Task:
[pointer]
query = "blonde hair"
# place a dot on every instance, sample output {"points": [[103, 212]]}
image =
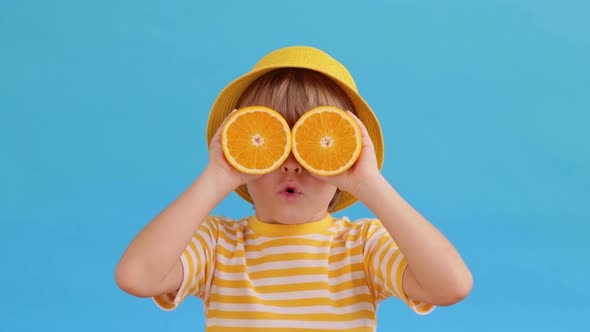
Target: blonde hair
{"points": [[294, 91]]}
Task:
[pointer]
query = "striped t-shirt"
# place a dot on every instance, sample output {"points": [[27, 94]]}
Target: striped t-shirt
{"points": [[327, 275]]}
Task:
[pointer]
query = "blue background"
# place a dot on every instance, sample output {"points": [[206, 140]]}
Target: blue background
{"points": [[484, 107]]}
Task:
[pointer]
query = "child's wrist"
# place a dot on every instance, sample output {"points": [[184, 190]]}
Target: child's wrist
{"points": [[222, 181], [363, 190]]}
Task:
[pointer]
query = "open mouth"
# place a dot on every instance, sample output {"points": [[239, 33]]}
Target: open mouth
{"points": [[290, 191]]}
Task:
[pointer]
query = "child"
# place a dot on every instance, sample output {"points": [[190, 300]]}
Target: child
{"points": [[292, 266]]}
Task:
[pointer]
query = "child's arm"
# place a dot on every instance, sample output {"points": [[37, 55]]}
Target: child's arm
{"points": [[151, 264], [435, 273]]}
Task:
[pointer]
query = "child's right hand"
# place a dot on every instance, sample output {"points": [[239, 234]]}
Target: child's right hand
{"points": [[220, 167]]}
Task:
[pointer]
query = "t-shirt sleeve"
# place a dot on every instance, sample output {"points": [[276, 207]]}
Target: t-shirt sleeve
{"points": [[198, 262], [386, 265]]}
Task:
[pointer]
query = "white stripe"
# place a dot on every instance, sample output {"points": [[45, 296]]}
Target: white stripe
{"points": [[206, 236], [209, 281], [394, 268], [207, 228], [286, 249], [286, 265], [239, 260], [420, 309], [378, 254], [309, 309], [334, 229], [292, 264], [291, 295], [293, 247], [232, 235], [370, 246], [378, 282], [383, 267], [227, 223], [263, 239], [259, 255], [346, 277], [348, 261], [197, 274], [337, 251], [354, 233], [222, 243], [290, 323]]}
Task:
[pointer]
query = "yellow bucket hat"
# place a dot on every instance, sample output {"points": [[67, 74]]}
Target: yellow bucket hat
{"points": [[298, 57]]}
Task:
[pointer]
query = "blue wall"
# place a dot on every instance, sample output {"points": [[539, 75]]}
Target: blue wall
{"points": [[484, 106]]}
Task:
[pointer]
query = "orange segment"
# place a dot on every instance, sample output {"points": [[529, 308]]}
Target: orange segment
{"points": [[256, 140], [326, 140]]}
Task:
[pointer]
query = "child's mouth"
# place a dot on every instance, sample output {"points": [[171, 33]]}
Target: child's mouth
{"points": [[290, 193]]}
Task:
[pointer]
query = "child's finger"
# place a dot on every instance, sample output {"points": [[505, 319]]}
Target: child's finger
{"points": [[218, 132], [364, 132]]}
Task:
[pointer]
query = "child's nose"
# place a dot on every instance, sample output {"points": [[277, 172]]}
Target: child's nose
{"points": [[291, 165]]}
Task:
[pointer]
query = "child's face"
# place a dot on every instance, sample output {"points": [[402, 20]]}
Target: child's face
{"points": [[290, 195]]}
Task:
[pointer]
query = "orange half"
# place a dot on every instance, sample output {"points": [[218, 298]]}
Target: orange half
{"points": [[256, 140], [326, 141]]}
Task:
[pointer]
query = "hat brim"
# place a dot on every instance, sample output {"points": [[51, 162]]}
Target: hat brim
{"points": [[228, 98]]}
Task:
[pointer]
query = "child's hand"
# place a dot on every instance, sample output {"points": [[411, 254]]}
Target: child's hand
{"points": [[364, 169], [219, 165]]}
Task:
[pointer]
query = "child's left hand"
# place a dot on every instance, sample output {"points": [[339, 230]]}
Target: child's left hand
{"points": [[363, 170]]}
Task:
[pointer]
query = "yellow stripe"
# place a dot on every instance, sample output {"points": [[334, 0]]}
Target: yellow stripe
{"points": [[252, 237], [203, 266], [288, 241], [320, 317], [337, 243], [289, 272], [389, 274], [380, 259], [341, 242], [399, 278], [370, 270], [224, 235], [372, 230], [303, 286], [191, 269], [287, 257], [282, 329], [228, 253], [346, 269], [164, 303], [357, 250], [219, 266], [286, 271], [210, 227], [239, 253], [349, 284], [360, 298], [420, 307], [424, 307]]}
